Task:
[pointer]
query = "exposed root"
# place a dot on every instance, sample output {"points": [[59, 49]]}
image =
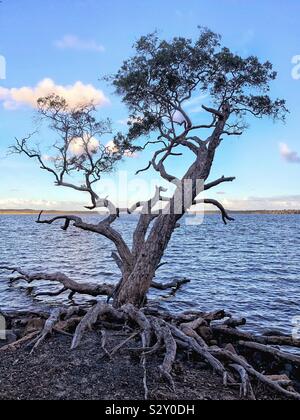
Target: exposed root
{"points": [[246, 387], [120, 346], [144, 364], [251, 371], [140, 318], [275, 352], [91, 318], [162, 330], [103, 343], [48, 328], [234, 333], [18, 344], [190, 332]]}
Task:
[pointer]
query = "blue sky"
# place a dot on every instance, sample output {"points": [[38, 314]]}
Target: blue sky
{"points": [[69, 41]]}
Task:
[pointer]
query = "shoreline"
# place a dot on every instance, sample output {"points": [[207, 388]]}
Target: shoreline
{"points": [[111, 369], [69, 212]]}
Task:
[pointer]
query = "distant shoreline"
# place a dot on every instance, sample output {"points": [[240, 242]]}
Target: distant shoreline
{"points": [[24, 212]]}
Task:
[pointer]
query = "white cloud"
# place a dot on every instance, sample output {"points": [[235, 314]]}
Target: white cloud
{"points": [[17, 203], [289, 202], [78, 145], [73, 42], [289, 155], [75, 95], [112, 148]]}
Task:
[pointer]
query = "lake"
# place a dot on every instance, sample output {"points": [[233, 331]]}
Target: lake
{"points": [[250, 267]]}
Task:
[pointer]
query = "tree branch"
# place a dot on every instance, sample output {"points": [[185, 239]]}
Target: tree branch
{"points": [[216, 203], [69, 284], [218, 182], [103, 228]]}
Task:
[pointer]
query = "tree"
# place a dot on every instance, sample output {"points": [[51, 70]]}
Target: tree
{"points": [[155, 84]]}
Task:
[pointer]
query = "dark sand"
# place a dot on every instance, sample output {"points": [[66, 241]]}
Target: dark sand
{"points": [[54, 372]]}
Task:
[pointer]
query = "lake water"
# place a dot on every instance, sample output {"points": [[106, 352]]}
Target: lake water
{"points": [[250, 267]]}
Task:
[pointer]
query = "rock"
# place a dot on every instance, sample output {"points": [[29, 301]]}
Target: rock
{"points": [[273, 333], [206, 333], [36, 324], [11, 337]]}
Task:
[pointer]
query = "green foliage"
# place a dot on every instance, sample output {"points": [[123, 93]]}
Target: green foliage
{"points": [[162, 75]]}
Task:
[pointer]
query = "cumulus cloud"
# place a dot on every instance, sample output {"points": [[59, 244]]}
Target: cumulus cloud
{"points": [[289, 155], [75, 95], [78, 145], [73, 42]]}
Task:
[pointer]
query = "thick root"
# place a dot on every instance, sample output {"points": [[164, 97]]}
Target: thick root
{"points": [[162, 330], [275, 352], [54, 318], [246, 387], [91, 318], [235, 334], [217, 352], [193, 332]]}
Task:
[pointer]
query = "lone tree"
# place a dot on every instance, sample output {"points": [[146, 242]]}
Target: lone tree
{"points": [[155, 84]]}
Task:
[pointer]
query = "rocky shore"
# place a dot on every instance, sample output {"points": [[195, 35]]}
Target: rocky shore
{"points": [[95, 371]]}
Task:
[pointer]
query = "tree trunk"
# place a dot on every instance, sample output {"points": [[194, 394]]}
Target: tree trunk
{"points": [[134, 287]]}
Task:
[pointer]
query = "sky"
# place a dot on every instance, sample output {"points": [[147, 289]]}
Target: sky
{"points": [[67, 46]]}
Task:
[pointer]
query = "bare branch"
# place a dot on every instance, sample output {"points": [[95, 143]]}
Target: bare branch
{"points": [[69, 284], [214, 112], [216, 203], [218, 182], [103, 228]]}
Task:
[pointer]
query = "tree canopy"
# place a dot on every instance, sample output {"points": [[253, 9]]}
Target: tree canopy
{"points": [[162, 76]]}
